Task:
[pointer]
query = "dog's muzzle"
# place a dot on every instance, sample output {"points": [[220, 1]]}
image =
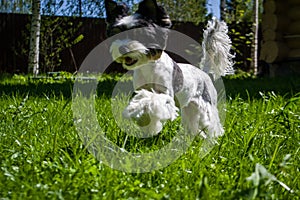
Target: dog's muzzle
{"points": [[120, 48]]}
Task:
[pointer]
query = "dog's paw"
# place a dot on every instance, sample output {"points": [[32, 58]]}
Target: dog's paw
{"points": [[150, 110], [131, 112], [137, 114], [143, 120]]}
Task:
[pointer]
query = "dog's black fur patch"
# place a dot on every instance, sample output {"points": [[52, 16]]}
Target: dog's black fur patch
{"points": [[148, 14], [155, 13], [177, 81], [150, 17]]}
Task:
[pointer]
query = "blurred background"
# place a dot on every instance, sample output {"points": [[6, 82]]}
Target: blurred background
{"points": [[266, 38]]}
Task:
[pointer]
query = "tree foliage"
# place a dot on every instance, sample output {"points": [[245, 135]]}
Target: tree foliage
{"points": [[78, 8], [15, 6], [57, 34], [239, 14], [186, 11], [238, 10]]}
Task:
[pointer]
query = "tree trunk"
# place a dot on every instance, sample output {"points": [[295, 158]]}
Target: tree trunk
{"points": [[255, 37], [223, 9], [80, 8], [33, 65]]}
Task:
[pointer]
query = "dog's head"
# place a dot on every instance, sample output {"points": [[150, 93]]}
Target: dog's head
{"points": [[141, 36]]}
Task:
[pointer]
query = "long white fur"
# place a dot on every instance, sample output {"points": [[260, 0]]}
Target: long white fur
{"points": [[128, 21], [159, 107], [216, 45]]}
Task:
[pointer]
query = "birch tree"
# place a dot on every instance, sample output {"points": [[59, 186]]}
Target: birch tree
{"points": [[223, 9], [255, 26], [33, 61]]}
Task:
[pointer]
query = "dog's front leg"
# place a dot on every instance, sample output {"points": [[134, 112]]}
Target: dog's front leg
{"points": [[200, 117], [190, 117]]}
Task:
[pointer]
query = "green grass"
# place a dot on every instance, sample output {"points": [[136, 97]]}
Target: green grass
{"points": [[42, 156]]}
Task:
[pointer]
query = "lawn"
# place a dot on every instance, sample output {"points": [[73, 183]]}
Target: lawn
{"points": [[43, 157]]}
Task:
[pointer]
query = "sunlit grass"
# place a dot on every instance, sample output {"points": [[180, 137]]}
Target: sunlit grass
{"points": [[42, 157]]}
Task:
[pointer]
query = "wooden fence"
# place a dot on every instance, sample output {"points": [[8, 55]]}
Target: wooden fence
{"points": [[13, 33]]}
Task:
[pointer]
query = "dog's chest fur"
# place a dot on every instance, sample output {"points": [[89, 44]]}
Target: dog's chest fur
{"points": [[182, 81], [157, 74]]}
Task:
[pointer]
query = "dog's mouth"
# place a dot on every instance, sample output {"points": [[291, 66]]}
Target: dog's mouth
{"points": [[130, 61]]}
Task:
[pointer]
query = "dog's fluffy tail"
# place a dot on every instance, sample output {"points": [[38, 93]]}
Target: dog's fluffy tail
{"points": [[216, 45]]}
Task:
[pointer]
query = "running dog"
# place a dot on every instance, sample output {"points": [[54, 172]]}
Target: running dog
{"points": [[162, 85]]}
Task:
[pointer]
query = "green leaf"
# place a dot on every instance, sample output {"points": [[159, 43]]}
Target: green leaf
{"points": [[78, 39]]}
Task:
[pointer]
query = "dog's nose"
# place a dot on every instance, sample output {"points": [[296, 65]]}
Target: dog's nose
{"points": [[123, 50]]}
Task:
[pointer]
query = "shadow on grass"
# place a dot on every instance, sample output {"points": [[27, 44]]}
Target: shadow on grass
{"points": [[252, 87], [244, 88], [50, 89], [39, 89]]}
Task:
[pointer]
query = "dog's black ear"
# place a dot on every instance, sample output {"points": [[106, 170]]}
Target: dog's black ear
{"points": [[150, 10], [163, 18], [115, 10]]}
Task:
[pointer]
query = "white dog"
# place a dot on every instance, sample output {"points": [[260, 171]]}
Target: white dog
{"points": [[158, 79]]}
